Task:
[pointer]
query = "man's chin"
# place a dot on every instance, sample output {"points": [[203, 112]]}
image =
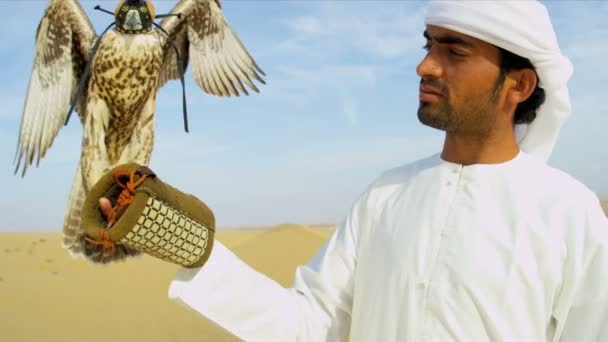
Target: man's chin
{"points": [[430, 118]]}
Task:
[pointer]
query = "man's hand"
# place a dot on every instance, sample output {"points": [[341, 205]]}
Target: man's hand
{"points": [[106, 207]]}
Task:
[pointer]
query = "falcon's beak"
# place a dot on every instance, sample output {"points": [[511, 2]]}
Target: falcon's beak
{"points": [[132, 21]]}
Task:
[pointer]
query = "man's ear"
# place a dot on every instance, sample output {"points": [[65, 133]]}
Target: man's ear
{"points": [[522, 85]]}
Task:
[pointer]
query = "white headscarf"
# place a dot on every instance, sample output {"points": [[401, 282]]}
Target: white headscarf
{"points": [[523, 28]]}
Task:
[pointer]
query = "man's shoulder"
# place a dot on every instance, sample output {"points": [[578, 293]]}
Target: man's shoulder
{"points": [[556, 182], [404, 173], [391, 182]]}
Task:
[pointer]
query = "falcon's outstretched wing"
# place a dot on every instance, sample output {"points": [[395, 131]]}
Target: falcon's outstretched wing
{"points": [[63, 40], [220, 62]]}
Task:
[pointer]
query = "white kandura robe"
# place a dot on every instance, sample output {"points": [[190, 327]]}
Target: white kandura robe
{"points": [[433, 251]]}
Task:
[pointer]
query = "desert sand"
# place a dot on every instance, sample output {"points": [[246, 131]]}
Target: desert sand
{"points": [[45, 295]]}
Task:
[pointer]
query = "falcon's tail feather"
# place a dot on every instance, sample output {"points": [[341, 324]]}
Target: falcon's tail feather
{"points": [[72, 233]]}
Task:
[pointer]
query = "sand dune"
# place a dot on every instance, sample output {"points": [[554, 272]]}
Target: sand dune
{"points": [[274, 251], [47, 295]]}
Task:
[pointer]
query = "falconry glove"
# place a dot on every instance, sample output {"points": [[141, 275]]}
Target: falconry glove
{"points": [[150, 216]]}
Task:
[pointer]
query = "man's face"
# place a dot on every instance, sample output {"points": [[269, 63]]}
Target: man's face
{"points": [[460, 85]]}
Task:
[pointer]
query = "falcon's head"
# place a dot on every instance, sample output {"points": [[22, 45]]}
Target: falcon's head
{"points": [[134, 16]]}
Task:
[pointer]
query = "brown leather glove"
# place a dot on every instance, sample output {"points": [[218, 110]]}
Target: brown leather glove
{"points": [[150, 216]]}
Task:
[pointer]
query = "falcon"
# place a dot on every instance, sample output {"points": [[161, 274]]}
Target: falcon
{"points": [[111, 81]]}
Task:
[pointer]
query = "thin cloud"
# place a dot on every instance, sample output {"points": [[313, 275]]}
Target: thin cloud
{"points": [[11, 106], [307, 25], [372, 153], [349, 105], [382, 29], [178, 149], [338, 83]]}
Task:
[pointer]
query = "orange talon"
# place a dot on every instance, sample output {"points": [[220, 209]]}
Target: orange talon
{"points": [[127, 195], [105, 242]]}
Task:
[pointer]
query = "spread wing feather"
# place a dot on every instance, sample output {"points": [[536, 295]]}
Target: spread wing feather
{"points": [[221, 65], [63, 41]]}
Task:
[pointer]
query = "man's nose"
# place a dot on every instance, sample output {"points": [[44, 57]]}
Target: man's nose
{"points": [[429, 67]]}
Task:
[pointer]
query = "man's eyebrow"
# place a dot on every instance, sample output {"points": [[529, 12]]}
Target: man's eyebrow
{"points": [[448, 39]]}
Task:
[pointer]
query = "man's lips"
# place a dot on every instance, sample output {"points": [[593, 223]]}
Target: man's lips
{"points": [[429, 93]]}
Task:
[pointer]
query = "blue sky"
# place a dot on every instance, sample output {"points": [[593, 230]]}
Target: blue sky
{"points": [[339, 107]]}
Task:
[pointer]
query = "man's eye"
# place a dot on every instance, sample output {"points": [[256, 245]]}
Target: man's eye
{"points": [[427, 46], [457, 53]]}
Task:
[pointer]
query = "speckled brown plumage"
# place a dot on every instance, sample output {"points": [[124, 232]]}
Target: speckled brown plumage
{"points": [[125, 81]]}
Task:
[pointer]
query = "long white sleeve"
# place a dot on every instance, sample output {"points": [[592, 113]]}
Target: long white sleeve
{"points": [[256, 308], [434, 251], [583, 314]]}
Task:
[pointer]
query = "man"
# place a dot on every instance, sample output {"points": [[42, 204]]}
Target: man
{"points": [[482, 242]]}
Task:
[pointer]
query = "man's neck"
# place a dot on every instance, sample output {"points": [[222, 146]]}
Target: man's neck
{"points": [[468, 150]]}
